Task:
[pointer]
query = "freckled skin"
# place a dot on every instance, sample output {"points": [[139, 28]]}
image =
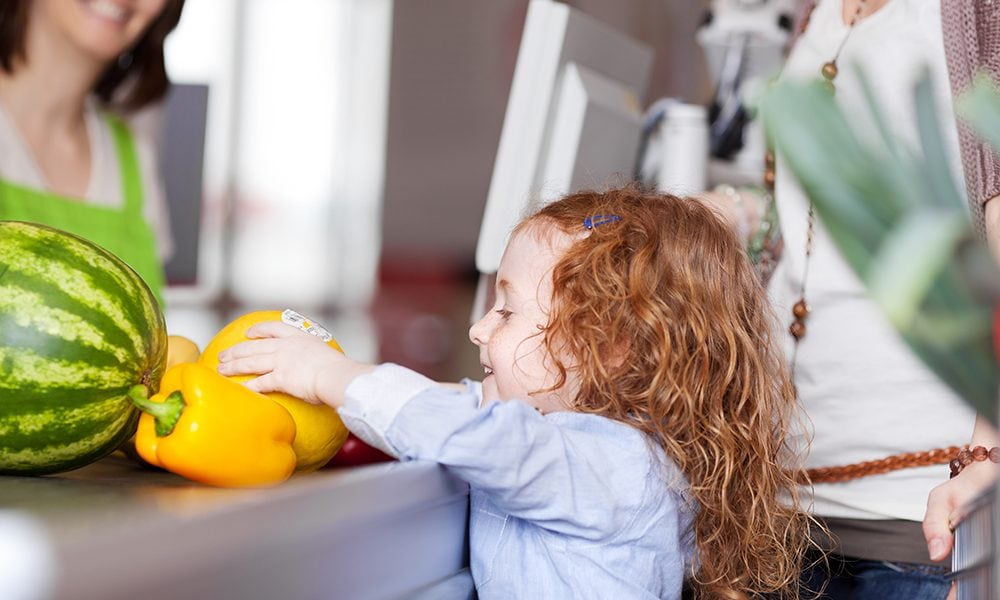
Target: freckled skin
{"points": [[510, 335]]}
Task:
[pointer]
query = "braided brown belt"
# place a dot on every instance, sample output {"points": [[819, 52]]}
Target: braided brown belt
{"points": [[841, 473]]}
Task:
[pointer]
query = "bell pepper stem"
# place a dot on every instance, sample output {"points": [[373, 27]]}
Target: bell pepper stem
{"points": [[166, 413]]}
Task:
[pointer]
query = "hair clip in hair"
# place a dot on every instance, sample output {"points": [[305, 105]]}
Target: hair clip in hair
{"points": [[597, 220]]}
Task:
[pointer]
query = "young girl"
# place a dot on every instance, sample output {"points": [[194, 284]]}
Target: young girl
{"points": [[630, 427]]}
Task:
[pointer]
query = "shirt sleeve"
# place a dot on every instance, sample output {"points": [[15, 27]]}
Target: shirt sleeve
{"points": [[530, 466], [373, 401]]}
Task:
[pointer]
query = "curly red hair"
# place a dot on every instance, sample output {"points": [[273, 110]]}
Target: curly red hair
{"points": [[667, 326]]}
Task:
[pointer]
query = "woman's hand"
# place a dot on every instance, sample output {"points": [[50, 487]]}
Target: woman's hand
{"points": [[291, 361], [948, 497], [958, 491]]}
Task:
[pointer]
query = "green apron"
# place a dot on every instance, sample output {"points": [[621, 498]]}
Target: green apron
{"points": [[123, 231]]}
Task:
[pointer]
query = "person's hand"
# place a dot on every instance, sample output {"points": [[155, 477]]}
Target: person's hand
{"points": [[291, 361], [739, 210], [946, 498]]}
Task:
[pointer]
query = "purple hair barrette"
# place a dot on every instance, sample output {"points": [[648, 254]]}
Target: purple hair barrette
{"points": [[598, 220]]}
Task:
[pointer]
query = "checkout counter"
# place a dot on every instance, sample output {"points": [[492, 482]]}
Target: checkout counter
{"points": [[115, 530]]}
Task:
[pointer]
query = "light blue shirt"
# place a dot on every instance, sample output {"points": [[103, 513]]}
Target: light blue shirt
{"points": [[566, 505]]}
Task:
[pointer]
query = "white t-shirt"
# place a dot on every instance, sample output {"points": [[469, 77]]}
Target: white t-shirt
{"points": [[865, 394], [18, 166]]}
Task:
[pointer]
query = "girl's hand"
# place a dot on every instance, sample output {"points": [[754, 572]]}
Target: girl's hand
{"points": [[946, 498], [291, 361]]}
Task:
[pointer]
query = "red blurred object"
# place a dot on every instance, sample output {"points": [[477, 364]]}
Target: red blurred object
{"points": [[354, 453]]}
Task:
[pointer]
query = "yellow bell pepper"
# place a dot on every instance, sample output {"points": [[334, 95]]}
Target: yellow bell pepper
{"points": [[212, 430]]}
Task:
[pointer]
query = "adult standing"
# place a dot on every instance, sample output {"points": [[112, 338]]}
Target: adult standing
{"points": [[973, 46], [865, 395], [69, 72]]}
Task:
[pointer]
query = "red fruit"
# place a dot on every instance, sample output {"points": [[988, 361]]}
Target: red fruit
{"points": [[354, 453]]}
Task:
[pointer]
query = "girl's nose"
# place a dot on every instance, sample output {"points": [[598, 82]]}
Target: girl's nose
{"points": [[478, 332]]}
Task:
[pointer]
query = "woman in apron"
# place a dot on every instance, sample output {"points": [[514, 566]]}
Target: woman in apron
{"points": [[65, 159]]}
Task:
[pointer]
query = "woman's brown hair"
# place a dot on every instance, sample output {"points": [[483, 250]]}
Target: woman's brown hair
{"points": [[667, 326], [129, 84]]}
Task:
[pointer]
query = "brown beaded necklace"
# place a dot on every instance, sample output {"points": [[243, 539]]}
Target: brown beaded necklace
{"points": [[801, 309]]}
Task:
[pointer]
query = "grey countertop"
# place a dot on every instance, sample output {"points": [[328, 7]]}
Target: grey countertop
{"points": [[116, 530]]}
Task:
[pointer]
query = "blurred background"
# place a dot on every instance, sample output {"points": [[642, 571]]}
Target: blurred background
{"points": [[348, 149]]}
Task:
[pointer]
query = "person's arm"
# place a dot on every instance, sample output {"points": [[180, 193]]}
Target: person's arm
{"points": [[953, 494], [580, 483], [992, 216]]}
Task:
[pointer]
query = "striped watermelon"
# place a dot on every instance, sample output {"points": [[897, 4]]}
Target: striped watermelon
{"points": [[78, 328]]}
